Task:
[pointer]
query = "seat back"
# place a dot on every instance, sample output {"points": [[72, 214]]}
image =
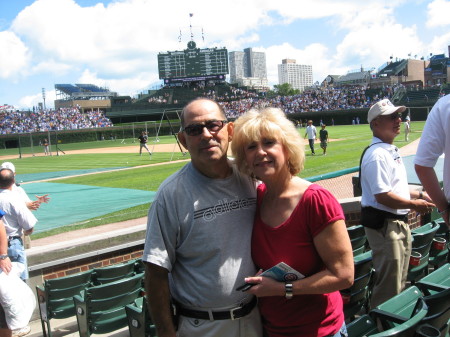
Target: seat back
{"points": [[365, 325], [438, 309], [55, 297], [399, 308], [407, 328], [114, 272], [59, 294], [438, 280], [356, 297], [443, 230], [357, 236], [101, 309], [423, 237]]}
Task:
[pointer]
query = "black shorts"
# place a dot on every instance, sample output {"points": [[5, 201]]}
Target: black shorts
{"points": [[3, 324]]}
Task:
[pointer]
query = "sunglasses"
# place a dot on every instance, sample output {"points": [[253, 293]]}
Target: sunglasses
{"points": [[197, 129], [393, 116]]}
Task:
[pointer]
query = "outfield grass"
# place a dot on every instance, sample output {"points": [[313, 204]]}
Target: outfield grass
{"points": [[343, 153]]}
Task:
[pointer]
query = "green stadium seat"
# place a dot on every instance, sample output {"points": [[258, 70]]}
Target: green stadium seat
{"points": [[140, 323], [366, 325], [357, 296], [438, 280], [438, 314], [101, 309], [398, 309], [422, 241], [114, 272], [55, 298], [357, 236]]}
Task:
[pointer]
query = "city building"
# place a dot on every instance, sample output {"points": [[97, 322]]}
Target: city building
{"points": [[248, 68], [299, 76]]}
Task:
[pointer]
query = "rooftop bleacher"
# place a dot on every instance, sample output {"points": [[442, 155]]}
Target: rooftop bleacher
{"points": [[393, 68]]}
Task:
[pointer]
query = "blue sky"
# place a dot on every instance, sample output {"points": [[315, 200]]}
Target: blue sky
{"points": [[115, 43]]}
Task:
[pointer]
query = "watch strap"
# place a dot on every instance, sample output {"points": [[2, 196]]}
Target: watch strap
{"points": [[3, 256], [289, 293]]}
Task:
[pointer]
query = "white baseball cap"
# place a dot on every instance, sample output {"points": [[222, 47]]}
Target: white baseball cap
{"points": [[8, 165], [383, 108]]}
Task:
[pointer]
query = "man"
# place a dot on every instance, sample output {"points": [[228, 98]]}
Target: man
{"points": [[18, 218], [312, 135], [386, 200], [31, 204], [5, 266], [143, 138], [434, 142], [197, 249], [407, 128], [323, 134]]}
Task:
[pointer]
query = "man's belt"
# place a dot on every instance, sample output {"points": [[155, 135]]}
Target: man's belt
{"points": [[14, 238], [232, 314], [403, 217]]}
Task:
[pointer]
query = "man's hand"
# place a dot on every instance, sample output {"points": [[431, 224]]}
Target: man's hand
{"points": [[6, 265], [33, 205], [43, 198]]}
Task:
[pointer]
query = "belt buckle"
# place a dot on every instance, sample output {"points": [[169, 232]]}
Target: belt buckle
{"points": [[232, 313]]}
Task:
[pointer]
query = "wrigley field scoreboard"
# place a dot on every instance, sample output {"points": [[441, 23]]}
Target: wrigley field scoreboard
{"points": [[193, 64]]}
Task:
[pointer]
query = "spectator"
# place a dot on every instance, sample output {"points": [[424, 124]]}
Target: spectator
{"points": [[385, 203], [18, 218], [434, 142], [199, 232], [298, 223]]}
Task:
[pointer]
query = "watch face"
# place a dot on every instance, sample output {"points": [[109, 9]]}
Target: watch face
{"points": [[191, 45]]}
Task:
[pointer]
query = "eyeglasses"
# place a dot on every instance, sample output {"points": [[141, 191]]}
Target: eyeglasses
{"points": [[393, 116], [197, 129]]}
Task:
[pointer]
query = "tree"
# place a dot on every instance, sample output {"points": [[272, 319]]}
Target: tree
{"points": [[284, 89]]}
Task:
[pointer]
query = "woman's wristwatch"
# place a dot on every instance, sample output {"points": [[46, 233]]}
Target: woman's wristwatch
{"points": [[288, 291], [3, 256]]}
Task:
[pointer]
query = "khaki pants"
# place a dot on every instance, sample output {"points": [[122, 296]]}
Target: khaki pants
{"points": [[391, 249]]}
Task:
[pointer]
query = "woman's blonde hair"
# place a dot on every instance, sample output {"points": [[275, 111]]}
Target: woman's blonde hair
{"points": [[269, 123]]}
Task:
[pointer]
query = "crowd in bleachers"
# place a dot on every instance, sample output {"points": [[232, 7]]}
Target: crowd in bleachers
{"points": [[315, 99], [50, 120]]}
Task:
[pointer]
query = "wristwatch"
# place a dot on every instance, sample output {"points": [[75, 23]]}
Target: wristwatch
{"points": [[288, 291], [2, 257]]}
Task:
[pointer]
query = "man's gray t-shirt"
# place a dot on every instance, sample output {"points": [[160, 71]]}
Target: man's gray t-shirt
{"points": [[200, 230]]}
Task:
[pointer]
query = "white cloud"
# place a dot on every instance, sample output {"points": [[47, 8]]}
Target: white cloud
{"points": [[116, 45], [438, 13], [14, 56], [34, 99]]}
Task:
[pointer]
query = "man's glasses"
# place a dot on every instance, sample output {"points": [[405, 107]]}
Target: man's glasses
{"points": [[393, 116], [197, 129]]}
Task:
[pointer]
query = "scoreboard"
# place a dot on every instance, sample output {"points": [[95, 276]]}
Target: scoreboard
{"points": [[193, 63]]}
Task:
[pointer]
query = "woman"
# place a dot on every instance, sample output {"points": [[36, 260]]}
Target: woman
{"points": [[296, 222]]}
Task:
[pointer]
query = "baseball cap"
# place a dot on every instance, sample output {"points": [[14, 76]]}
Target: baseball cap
{"points": [[8, 165], [382, 108]]}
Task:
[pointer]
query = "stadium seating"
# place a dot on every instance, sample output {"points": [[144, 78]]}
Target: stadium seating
{"points": [[114, 272], [366, 325], [357, 296], [101, 309], [438, 280], [422, 240], [438, 314], [357, 238], [55, 298], [140, 323], [440, 256]]}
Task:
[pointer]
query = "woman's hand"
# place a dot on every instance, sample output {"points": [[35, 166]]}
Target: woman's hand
{"points": [[265, 286]]}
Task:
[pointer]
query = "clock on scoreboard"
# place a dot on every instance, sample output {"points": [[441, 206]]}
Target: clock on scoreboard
{"points": [[193, 62]]}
